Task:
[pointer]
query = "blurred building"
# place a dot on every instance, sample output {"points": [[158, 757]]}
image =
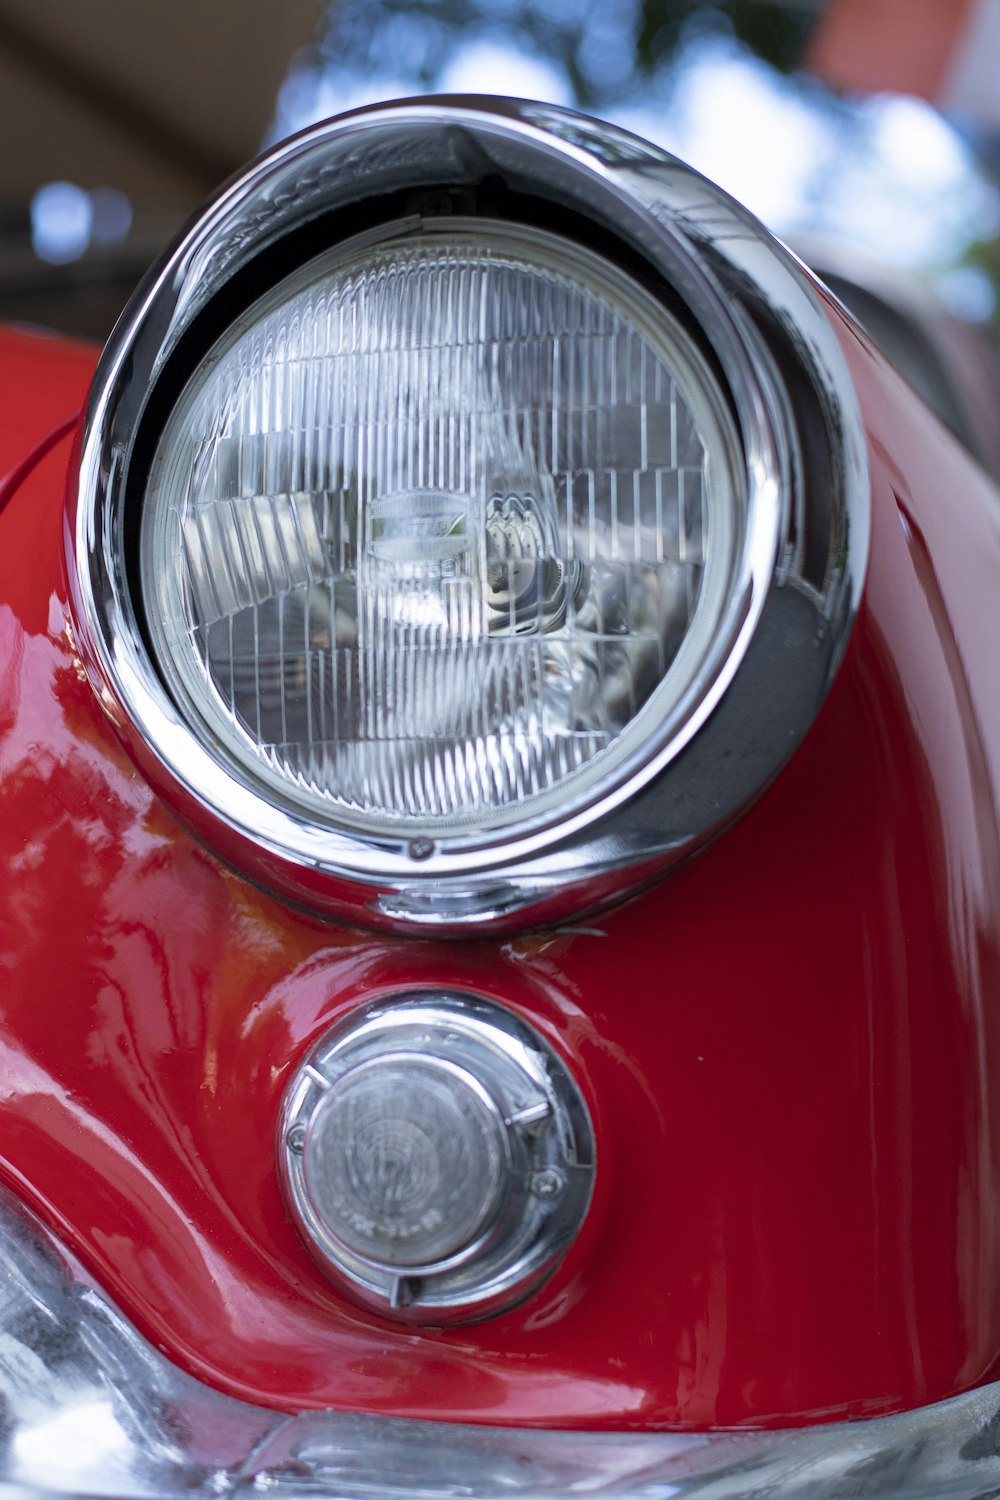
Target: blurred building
{"points": [[119, 119]]}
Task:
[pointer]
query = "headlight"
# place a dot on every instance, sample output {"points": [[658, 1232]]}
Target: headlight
{"points": [[471, 515], [442, 531]]}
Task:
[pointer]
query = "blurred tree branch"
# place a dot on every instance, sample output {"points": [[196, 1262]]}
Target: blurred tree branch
{"points": [[576, 36]]}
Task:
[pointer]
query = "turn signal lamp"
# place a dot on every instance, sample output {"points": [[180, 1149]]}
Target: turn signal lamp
{"points": [[437, 1156]]}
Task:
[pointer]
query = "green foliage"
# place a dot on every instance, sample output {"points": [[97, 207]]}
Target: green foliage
{"points": [[984, 256], [603, 48], [776, 32]]}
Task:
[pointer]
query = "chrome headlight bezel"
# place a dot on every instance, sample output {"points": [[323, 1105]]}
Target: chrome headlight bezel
{"points": [[807, 524]]}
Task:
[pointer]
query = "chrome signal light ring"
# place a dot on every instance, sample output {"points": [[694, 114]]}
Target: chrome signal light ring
{"points": [[436, 1156]]}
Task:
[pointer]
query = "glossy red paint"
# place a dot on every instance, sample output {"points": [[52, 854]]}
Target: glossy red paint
{"points": [[44, 381], [791, 1048]]}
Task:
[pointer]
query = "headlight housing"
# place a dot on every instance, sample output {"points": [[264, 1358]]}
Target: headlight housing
{"points": [[442, 509], [442, 533]]}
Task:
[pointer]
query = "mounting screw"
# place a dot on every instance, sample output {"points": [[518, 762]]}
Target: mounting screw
{"points": [[547, 1183], [421, 848], [295, 1140]]}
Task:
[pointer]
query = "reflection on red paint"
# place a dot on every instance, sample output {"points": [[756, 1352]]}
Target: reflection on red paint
{"points": [[791, 1048]]}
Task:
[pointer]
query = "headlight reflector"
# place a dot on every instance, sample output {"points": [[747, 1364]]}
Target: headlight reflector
{"points": [[442, 531]]}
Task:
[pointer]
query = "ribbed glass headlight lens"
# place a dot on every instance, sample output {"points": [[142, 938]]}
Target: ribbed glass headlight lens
{"points": [[441, 533]]}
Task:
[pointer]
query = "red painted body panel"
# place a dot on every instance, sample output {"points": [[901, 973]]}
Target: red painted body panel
{"points": [[790, 1048], [44, 380]]}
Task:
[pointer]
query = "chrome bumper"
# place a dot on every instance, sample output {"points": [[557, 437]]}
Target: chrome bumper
{"points": [[89, 1408]]}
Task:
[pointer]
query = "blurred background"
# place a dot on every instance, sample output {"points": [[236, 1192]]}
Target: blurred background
{"points": [[867, 132]]}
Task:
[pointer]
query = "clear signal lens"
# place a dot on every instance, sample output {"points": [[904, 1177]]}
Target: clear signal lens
{"points": [[405, 1161], [442, 531]]}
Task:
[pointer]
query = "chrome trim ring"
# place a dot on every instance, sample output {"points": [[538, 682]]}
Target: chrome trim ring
{"points": [[798, 583], [92, 1409], [526, 1113]]}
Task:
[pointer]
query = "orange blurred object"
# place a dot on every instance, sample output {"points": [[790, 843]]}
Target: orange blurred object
{"points": [[942, 50]]}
